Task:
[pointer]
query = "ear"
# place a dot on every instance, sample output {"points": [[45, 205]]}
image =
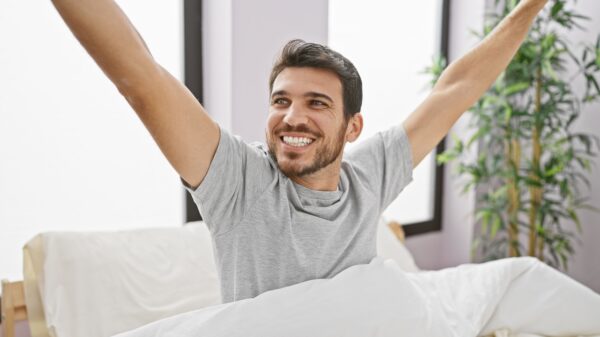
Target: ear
{"points": [[354, 128]]}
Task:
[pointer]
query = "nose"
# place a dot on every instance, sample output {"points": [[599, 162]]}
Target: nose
{"points": [[295, 115]]}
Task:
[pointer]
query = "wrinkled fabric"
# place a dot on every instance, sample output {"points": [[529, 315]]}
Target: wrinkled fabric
{"points": [[380, 299], [96, 284]]}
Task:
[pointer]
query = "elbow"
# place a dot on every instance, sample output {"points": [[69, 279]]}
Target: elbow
{"points": [[137, 90], [135, 95], [458, 96], [464, 88]]}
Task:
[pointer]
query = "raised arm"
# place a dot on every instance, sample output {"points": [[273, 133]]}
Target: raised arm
{"points": [[184, 132], [467, 79]]}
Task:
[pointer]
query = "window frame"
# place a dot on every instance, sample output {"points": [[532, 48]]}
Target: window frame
{"points": [[193, 74], [435, 224]]}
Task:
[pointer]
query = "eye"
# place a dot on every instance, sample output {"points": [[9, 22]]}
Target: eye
{"points": [[318, 103], [279, 101]]}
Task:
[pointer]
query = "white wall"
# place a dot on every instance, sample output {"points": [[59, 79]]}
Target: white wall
{"points": [[73, 155]]}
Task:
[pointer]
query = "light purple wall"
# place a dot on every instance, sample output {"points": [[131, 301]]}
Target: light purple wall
{"points": [[260, 29], [451, 246], [242, 40], [585, 266]]}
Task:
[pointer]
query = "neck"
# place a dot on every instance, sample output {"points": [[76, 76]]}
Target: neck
{"points": [[326, 179]]}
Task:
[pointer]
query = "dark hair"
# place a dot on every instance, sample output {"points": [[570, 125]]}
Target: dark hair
{"points": [[297, 53]]}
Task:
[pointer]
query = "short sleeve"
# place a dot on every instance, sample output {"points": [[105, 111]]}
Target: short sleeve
{"points": [[383, 163], [238, 173]]}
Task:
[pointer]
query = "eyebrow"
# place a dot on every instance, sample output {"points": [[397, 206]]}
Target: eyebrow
{"points": [[311, 94]]}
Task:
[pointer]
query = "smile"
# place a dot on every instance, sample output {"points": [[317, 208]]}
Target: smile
{"points": [[296, 141]]}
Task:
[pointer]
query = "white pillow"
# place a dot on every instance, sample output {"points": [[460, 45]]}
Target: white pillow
{"points": [[389, 247], [102, 283]]}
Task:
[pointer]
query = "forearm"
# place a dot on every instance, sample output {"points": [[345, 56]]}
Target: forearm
{"points": [[111, 40], [467, 79], [177, 121], [475, 72]]}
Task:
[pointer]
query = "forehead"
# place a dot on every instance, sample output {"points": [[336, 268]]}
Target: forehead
{"points": [[299, 80]]}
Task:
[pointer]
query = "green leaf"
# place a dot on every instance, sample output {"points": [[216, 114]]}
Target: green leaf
{"points": [[590, 208], [575, 218], [508, 111], [554, 170], [548, 41], [532, 183], [515, 88], [458, 144], [481, 132], [556, 8], [592, 79], [495, 226], [549, 70], [445, 157]]}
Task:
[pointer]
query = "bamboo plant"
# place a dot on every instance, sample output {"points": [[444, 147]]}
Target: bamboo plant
{"points": [[529, 173]]}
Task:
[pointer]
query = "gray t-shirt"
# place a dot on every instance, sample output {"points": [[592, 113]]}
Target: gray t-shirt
{"points": [[269, 232]]}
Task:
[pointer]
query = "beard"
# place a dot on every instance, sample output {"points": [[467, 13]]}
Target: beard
{"points": [[324, 155]]}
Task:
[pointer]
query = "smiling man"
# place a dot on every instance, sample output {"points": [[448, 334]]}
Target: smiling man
{"points": [[316, 96], [298, 208]]}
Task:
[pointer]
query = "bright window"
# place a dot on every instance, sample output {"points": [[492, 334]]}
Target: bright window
{"points": [[73, 154], [391, 42]]}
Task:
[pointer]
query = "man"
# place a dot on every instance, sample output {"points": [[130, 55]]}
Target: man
{"points": [[297, 209]]}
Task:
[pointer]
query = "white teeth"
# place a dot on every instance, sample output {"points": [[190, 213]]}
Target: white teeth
{"points": [[297, 141]]}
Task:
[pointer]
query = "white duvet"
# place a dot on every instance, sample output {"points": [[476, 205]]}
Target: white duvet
{"points": [[504, 297]]}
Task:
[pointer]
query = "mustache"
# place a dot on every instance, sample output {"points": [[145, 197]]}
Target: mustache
{"points": [[299, 129]]}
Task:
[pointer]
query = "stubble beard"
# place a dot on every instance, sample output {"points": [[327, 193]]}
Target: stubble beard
{"points": [[324, 156]]}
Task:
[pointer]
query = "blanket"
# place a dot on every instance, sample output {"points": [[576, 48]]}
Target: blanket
{"points": [[380, 299]]}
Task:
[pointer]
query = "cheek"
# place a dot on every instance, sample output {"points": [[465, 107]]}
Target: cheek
{"points": [[271, 125], [273, 120]]}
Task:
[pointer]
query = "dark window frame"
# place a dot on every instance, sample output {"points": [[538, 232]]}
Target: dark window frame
{"points": [[192, 35], [193, 80], [435, 224]]}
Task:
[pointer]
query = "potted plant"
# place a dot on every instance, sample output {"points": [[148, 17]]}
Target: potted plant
{"points": [[531, 164]]}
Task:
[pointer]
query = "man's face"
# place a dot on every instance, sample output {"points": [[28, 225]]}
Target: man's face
{"points": [[306, 129]]}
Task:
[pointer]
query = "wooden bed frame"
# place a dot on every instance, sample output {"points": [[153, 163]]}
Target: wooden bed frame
{"points": [[14, 308]]}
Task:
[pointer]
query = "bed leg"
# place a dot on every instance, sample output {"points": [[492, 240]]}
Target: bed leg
{"points": [[9, 291]]}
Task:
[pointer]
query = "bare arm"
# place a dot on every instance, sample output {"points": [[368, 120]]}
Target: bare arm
{"points": [[182, 129], [467, 79]]}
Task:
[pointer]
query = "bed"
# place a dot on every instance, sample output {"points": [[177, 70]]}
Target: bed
{"points": [[54, 264], [163, 282]]}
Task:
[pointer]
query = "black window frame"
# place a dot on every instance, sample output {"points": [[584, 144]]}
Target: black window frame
{"points": [[192, 37], [193, 80], [435, 224]]}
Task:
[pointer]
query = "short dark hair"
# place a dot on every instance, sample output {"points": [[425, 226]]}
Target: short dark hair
{"points": [[298, 53]]}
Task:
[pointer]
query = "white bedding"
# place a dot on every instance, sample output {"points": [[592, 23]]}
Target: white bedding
{"points": [[379, 299], [97, 284]]}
